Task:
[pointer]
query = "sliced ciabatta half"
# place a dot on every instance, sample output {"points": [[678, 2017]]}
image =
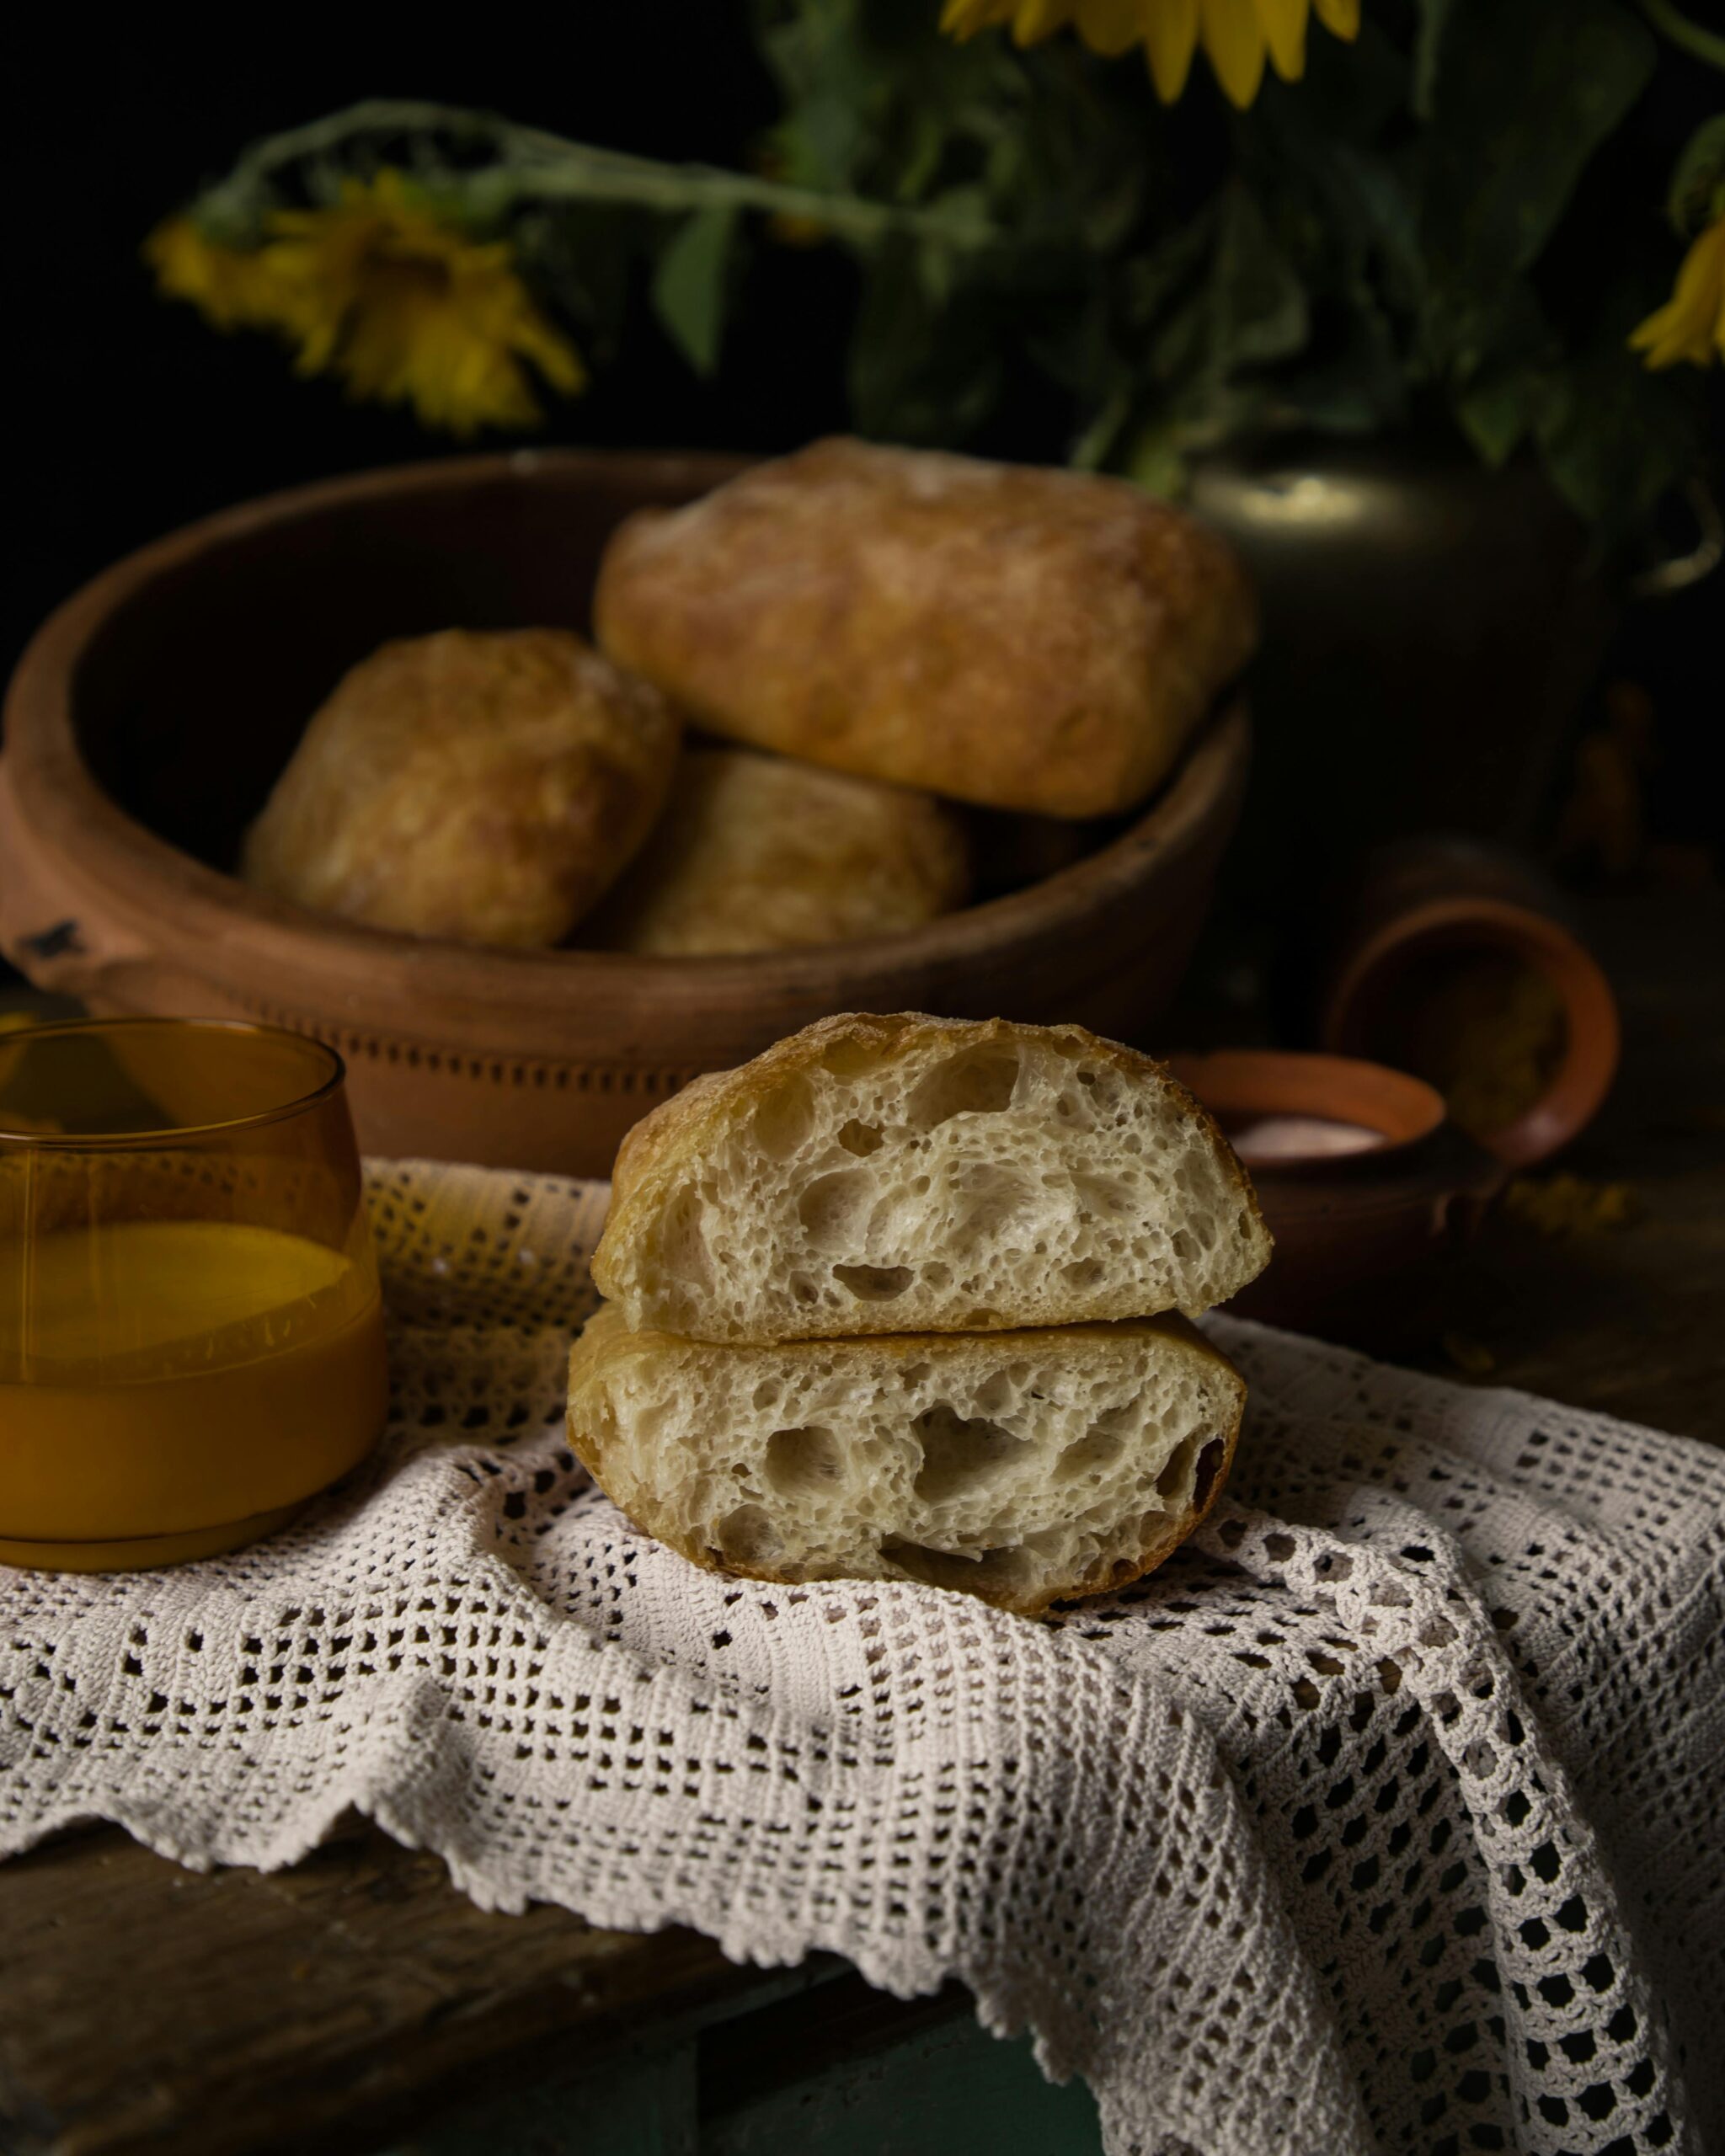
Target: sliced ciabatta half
{"points": [[1024, 1467], [908, 1174]]}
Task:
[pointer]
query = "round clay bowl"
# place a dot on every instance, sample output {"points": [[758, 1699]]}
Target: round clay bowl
{"points": [[1358, 1233], [149, 717]]}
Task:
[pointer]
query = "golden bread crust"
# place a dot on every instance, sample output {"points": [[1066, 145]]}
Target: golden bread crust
{"points": [[767, 853], [486, 788], [1020, 638]]}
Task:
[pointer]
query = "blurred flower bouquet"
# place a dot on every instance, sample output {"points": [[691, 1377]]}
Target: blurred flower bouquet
{"points": [[1331, 221]]}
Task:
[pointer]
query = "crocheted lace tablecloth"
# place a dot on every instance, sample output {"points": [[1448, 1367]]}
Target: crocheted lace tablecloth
{"points": [[1385, 1816]]}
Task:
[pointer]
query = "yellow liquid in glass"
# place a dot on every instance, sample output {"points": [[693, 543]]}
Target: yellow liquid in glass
{"points": [[170, 1388]]}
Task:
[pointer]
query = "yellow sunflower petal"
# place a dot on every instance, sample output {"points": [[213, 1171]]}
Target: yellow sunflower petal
{"points": [[228, 285], [1668, 338], [1284, 23], [1341, 18], [1169, 38], [1234, 39], [1691, 326], [554, 356], [1110, 26], [963, 18], [379, 290], [1034, 20]]}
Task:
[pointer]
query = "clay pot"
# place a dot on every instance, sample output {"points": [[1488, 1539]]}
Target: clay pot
{"points": [[1428, 910], [1361, 1234], [1430, 628], [149, 717]]}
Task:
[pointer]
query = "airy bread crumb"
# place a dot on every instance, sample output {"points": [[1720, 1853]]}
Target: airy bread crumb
{"points": [[1023, 1467], [903, 1174]]}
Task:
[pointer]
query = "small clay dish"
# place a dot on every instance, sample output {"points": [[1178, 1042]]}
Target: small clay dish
{"points": [[1366, 1186], [1430, 913]]}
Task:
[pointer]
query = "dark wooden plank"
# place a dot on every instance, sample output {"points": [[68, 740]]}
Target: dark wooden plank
{"points": [[145, 2008]]}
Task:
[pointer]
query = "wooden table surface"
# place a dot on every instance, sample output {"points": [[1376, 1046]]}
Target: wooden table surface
{"points": [[1630, 1319], [344, 2003]]}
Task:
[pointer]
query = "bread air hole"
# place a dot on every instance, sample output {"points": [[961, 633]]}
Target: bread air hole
{"points": [[686, 1252], [996, 1393], [746, 1536], [1083, 1271], [1172, 1481], [959, 1568], [829, 1208], [875, 1283], [860, 1139], [1096, 1450], [784, 1119], [992, 1197], [804, 1462], [1102, 1196], [960, 1454], [851, 1059], [977, 1081]]}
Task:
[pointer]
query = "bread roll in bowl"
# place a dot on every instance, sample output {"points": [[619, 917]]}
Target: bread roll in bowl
{"points": [[1018, 637], [487, 788], [768, 853]]}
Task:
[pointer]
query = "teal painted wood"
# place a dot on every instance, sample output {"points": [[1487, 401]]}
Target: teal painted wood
{"points": [[645, 2107], [949, 2090], [952, 2091]]}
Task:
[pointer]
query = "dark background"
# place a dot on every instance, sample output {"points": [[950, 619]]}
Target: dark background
{"points": [[130, 417]]}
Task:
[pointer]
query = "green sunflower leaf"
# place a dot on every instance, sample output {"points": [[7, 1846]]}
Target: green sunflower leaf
{"points": [[1698, 176], [689, 285], [1614, 437], [1520, 98]]}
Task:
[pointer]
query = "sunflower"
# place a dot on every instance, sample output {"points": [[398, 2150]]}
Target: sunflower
{"points": [[1238, 35], [1692, 324], [226, 283], [379, 289]]}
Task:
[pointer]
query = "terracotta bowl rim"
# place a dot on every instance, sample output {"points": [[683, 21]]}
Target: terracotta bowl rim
{"points": [[1584, 1077], [106, 847], [1235, 1082]]}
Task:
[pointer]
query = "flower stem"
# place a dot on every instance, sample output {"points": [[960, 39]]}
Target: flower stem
{"points": [[532, 164], [1703, 43]]}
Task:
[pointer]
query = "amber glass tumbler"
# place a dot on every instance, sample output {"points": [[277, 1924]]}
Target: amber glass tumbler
{"points": [[191, 1334]]}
